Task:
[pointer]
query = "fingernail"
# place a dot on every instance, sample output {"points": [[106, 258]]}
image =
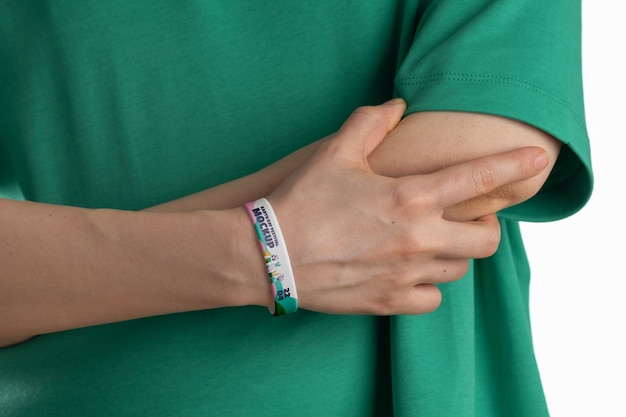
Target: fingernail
{"points": [[541, 161]]}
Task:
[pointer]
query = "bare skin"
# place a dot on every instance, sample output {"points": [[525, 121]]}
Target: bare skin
{"points": [[421, 143], [66, 267]]}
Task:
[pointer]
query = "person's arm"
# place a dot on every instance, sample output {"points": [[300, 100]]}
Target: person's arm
{"points": [[66, 267], [421, 143], [428, 141]]}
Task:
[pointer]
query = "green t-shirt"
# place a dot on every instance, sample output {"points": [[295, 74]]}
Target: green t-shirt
{"points": [[127, 104]]}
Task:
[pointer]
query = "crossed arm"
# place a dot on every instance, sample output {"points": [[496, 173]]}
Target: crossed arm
{"points": [[68, 267], [420, 144]]}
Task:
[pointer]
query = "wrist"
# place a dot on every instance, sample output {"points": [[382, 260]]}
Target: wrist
{"points": [[246, 274], [275, 255]]}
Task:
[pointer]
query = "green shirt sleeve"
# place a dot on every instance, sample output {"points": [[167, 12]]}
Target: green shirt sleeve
{"points": [[520, 60]]}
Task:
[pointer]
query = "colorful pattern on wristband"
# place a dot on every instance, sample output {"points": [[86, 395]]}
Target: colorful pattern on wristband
{"points": [[276, 257]]}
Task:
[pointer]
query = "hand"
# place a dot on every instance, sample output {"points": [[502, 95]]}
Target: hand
{"points": [[361, 243]]}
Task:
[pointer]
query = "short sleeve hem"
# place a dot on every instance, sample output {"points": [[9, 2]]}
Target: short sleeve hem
{"points": [[570, 184]]}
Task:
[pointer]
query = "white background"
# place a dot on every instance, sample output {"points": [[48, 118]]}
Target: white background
{"points": [[578, 297]]}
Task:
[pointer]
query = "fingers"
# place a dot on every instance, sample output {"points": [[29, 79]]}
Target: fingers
{"points": [[419, 299], [370, 243], [423, 298], [480, 176], [475, 239], [368, 126]]}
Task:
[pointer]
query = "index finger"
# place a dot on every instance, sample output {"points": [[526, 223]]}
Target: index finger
{"points": [[477, 177]]}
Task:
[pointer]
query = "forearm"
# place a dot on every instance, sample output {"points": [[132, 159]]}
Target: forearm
{"points": [[429, 141], [240, 191], [65, 267], [421, 143]]}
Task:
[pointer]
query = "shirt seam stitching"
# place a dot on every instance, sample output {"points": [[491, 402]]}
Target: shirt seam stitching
{"points": [[486, 78]]}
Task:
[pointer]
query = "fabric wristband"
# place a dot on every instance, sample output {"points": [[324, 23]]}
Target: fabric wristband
{"points": [[276, 257]]}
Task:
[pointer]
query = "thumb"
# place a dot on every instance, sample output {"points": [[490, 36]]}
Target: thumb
{"points": [[366, 128]]}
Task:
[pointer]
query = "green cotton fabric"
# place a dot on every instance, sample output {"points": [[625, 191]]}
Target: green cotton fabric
{"points": [[129, 104]]}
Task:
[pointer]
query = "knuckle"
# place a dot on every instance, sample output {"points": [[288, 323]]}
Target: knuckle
{"points": [[405, 200], [392, 299], [415, 242], [407, 245], [401, 198], [384, 305], [401, 278], [484, 178], [329, 148]]}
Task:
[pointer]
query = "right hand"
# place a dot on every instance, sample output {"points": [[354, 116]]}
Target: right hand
{"points": [[361, 243]]}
